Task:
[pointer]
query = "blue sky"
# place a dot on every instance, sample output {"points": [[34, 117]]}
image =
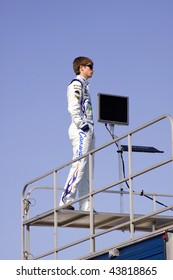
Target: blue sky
{"points": [[131, 44]]}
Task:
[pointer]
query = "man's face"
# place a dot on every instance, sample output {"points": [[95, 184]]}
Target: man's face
{"points": [[86, 70]]}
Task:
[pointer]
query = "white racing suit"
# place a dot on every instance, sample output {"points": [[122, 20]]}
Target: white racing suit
{"points": [[81, 134]]}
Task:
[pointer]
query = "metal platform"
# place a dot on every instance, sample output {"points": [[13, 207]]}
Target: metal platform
{"points": [[99, 224], [81, 219]]}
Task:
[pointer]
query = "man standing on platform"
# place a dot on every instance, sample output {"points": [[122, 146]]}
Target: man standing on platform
{"points": [[81, 133]]}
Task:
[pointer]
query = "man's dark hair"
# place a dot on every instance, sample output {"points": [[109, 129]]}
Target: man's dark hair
{"points": [[81, 60]]}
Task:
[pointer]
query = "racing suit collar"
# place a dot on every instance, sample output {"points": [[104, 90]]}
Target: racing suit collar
{"points": [[82, 79]]}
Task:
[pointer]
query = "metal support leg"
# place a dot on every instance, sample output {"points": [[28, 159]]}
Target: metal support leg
{"points": [[119, 164]]}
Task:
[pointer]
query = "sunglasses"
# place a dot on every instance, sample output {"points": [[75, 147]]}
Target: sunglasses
{"points": [[91, 66]]}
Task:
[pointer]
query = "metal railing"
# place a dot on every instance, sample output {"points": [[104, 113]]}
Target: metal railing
{"points": [[29, 188]]}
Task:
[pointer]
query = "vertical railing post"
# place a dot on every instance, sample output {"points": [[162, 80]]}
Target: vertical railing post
{"points": [[55, 216], [120, 175], [130, 187], [28, 242], [171, 121], [154, 202], [92, 229], [22, 226]]}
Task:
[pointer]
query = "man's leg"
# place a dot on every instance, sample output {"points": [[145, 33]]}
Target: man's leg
{"points": [[89, 144], [70, 188], [78, 177]]}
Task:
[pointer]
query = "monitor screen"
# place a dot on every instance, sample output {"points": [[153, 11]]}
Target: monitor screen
{"points": [[113, 109]]}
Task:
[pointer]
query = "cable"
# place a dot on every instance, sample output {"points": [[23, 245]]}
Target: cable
{"points": [[124, 173], [32, 201], [121, 153]]}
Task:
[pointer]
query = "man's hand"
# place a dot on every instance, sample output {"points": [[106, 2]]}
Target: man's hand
{"points": [[85, 128]]}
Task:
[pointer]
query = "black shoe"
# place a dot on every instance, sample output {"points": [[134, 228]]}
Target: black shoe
{"points": [[69, 207]]}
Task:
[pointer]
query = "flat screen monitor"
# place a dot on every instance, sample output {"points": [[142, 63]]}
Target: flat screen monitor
{"points": [[113, 109]]}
